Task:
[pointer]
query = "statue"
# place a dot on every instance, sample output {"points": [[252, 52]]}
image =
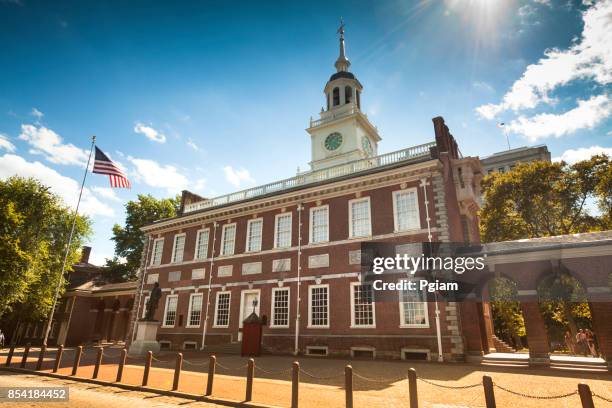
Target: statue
{"points": [[153, 302]]}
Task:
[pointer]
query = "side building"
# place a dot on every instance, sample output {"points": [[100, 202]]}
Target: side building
{"points": [[506, 160], [290, 250]]}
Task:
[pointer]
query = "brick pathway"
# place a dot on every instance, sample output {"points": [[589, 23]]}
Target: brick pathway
{"points": [[376, 383]]}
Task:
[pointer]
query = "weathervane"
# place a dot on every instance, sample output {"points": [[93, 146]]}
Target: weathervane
{"points": [[341, 28]]}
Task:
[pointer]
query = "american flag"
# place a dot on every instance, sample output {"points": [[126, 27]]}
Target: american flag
{"points": [[104, 165]]}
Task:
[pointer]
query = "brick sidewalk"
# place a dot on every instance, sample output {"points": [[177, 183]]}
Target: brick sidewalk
{"points": [[273, 386]]}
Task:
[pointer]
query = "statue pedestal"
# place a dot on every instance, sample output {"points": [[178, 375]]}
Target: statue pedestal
{"points": [[146, 338]]}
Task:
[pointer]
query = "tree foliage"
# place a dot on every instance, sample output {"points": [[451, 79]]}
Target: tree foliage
{"points": [[129, 240], [34, 230], [540, 199]]}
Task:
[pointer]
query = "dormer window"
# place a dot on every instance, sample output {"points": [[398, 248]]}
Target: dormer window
{"points": [[348, 94], [336, 96]]}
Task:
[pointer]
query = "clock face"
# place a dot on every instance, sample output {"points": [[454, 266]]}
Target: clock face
{"points": [[333, 141], [367, 145]]}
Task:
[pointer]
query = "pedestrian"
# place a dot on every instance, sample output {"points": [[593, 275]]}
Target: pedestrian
{"points": [[1, 340], [569, 342], [582, 342], [590, 341]]}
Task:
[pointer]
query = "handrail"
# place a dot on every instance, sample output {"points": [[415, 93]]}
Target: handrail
{"points": [[329, 173]]}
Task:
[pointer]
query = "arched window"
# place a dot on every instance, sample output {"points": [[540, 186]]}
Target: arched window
{"points": [[348, 94], [336, 95], [327, 97], [359, 99]]}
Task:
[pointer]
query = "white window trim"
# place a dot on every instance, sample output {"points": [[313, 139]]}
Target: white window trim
{"points": [[350, 217], [225, 227], [311, 223], [365, 326], [404, 350], [192, 343], [248, 235], [413, 326], [310, 326], [242, 295], [162, 342], [418, 211], [371, 349], [198, 269], [198, 237], [144, 307], [191, 296], [229, 309], [310, 348], [161, 251], [284, 326], [176, 237], [168, 297], [276, 217]]}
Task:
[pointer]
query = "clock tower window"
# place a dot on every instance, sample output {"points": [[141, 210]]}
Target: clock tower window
{"points": [[348, 94], [336, 94]]}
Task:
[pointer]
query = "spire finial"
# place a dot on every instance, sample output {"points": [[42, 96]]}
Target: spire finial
{"points": [[342, 63]]}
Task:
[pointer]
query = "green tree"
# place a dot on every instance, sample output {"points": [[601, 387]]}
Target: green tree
{"points": [[540, 199], [129, 240], [34, 234]]}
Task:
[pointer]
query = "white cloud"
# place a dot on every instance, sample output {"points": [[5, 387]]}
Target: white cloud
{"points": [[543, 2], [65, 187], [589, 57], [572, 156], [6, 144], [483, 86], [586, 115], [49, 144], [236, 177], [106, 192], [192, 144], [37, 114], [154, 174], [149, 132]]}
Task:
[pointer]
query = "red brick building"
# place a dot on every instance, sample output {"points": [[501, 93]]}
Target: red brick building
{"points": [[293, 246]]}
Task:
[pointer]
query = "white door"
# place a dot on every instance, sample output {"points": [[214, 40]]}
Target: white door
{"points": [[246, 306]]}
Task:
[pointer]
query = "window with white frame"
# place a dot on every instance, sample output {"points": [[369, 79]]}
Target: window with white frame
{"points": [[406, 210], [195, 310], [318, 306], [280, 307], [228, 238], [362, 305], [202, 244], [144, 307], [413, 309], [319, 224], [178, 248], [222, 309], [198, 273], [170, 312], [254, 228], [359, 218], [158, 247], [282, 231]]}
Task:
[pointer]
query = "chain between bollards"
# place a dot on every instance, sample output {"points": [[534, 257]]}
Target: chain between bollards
{"points": [[250, 375], [295, 384], [348, 385], [177, 371], [121, 365], [147, 368], [98, 362], [24, 358], [211, 374], [77, 360], [58, 358], [41, 357]]}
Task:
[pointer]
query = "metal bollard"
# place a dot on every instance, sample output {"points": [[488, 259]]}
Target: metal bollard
{"points": [[412, 388], [10, 356], [24, 358], [586, 396], [177, 371], [212, 365], [121, 364], [148, 362], [250, 375], [98, 362], [41, 357], [58, 358], [348, 385], [77, 360], [487, 383], [295, 384]]}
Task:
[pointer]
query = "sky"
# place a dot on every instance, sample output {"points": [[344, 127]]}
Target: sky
{"points": [[215, 96]]}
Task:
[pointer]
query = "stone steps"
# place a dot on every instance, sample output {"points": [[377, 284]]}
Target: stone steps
{"points": [[501, 346]]}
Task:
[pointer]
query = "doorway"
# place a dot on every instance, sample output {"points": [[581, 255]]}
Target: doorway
{"points": [[247, 297]]}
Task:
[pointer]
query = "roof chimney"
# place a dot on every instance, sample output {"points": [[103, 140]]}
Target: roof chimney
{"points": [[85, 252]]}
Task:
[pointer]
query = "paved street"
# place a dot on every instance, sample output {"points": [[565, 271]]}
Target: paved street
{"points": [[93, 396]]}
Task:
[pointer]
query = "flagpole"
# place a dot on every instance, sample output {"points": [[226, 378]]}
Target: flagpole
{"points": [[507, 138], [74, 218]]}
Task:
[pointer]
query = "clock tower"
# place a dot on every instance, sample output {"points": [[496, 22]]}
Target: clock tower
{"points": [[342, 133]]}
